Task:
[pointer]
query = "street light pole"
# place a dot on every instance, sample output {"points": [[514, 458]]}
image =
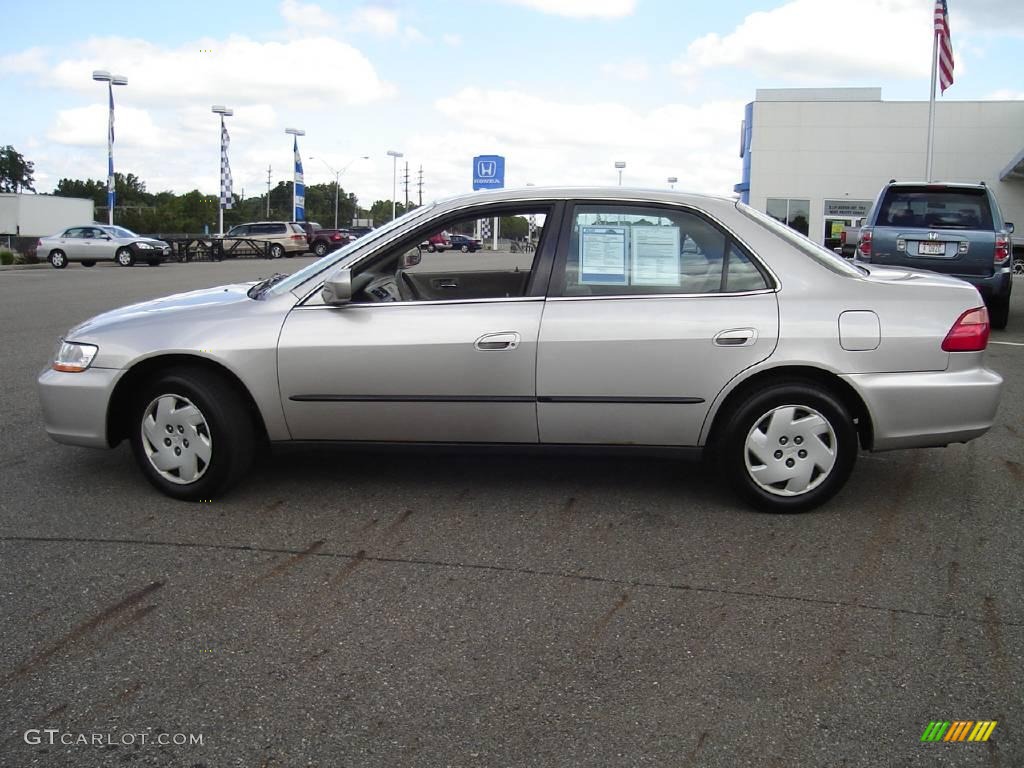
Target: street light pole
{"points": [[394, 178], [337, 176], [619, 165], [223, 111], [103, 76]]}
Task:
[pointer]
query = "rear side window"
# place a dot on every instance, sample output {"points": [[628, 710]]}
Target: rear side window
{"points": [[633, 250], [299, 229], [935, 207]]}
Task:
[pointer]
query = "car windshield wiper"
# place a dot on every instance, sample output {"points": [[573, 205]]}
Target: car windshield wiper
{"points": [[264, 285]]}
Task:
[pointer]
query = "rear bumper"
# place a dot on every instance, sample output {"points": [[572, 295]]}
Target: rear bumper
{"points": [[931, 409], [996, 286], [75, 405]]}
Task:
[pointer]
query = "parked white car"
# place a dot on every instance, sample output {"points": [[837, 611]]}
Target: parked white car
{"points": [[101, 242]]}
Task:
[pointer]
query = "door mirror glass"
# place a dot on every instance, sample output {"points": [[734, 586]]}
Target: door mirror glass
{"points": [[412, 257], [1009, 227], [337, 288]]}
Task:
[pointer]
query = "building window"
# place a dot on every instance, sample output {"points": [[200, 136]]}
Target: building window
{"points": [[793, 213]]}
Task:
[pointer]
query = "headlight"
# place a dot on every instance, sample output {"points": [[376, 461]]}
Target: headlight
{"points": [[74, 358], [145, 245]]}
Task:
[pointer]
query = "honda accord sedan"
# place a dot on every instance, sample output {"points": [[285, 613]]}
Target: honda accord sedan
{"points": [[644, 320], [100, 242]]}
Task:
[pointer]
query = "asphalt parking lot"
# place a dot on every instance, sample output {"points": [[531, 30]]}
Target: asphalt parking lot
{"points": [[454, 609]]}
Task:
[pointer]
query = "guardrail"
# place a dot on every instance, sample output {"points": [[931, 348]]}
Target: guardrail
{"points": [[185, 248]]}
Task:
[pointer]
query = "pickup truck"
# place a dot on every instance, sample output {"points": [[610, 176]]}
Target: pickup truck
{"points": [[952, 228], [323, 241], [848, 239]]}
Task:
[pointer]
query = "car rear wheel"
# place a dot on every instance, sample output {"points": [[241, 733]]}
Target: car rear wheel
{"points": [[191, 435], [320, 249], [57, 259], [276, 251], [788, 447], [125, 257], [999, 312], [89, 263], [432, 248]]}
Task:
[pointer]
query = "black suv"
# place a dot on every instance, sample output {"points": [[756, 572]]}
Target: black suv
{"points": [[956, 229]]}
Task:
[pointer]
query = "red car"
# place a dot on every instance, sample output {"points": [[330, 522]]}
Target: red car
{"points": [[439, 242]]}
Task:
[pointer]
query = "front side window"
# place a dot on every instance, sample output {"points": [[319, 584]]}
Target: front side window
{"points": [[633, 250], [240, 231], [428, 266]]}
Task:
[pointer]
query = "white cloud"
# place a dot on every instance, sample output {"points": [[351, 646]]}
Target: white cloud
{"points": [[578, 143], [581, 9], [31, 60], [452, 39], [633, 70], [236, 70], [310, 15], [87, 127], [413, 35], [883, 38], [377, 19]]}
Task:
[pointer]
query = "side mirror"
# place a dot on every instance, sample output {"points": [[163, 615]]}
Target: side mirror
{"points": [[1009, 226], [337, 289]]}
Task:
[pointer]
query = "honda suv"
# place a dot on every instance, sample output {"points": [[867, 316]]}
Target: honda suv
{"points": [[956, 229], [272, 238]]}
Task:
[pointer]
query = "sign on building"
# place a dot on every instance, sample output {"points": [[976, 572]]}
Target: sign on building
{"points": [[847, 209], [488, 172]]}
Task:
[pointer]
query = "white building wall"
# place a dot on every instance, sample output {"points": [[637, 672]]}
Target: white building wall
{"points": [[825, 149]]}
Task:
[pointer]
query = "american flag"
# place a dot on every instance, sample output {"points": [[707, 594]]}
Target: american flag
{"points": [[945, 44], [300, 187], [227, 199]]}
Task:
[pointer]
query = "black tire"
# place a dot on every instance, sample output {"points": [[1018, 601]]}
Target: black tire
{"points": [[755, 413], [89, 263], [999, 312], [465, 249], [125, 257], [58, 259], [276, 251], [431, 248], [226, 421], [320, 249]]}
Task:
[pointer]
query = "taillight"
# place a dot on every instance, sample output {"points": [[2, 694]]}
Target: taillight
{"points": [[969, 333], [1002, 252], [39, 243], [335, 237], [298, 237], [864, 246]]}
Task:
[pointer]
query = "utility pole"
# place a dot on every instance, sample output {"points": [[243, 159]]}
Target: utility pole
{"points": [[406, 182], [268, 191], [420, 185]]}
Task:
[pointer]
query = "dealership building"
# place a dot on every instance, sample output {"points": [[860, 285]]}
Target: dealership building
{"points": [[816, 158]]}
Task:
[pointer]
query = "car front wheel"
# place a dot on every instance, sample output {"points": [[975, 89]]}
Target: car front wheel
{"points": [[191, 435], [57, 259], [789, 447], [125, 257]]}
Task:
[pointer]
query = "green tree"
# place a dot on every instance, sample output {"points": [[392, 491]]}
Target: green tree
{"points": [[513, 227], [92, 190], [15, 171]]}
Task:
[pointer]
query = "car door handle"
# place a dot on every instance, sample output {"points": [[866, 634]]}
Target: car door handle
{"points": [[446, 283], [497, 341], [736, 337]]}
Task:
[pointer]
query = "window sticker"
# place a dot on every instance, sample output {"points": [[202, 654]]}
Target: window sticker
{"points": [[655, 255], [603, 255]]}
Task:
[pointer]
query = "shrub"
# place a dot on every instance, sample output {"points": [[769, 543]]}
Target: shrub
{"points": [[6, 257]]}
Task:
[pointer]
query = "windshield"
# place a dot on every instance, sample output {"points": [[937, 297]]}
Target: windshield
{"points": [[819, 253], [327, 262], [935, 207]]}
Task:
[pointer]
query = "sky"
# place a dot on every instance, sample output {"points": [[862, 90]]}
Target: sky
{"points": [[561, 88]]}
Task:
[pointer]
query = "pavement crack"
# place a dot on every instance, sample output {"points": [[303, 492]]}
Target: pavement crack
{"points": [[628, 583]]}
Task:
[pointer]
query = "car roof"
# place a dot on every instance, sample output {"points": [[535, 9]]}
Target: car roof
{"points": [[939, 184]]}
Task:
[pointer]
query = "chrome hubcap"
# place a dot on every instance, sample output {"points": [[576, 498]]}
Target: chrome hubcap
{"points": [[790, 450], [1018, 266], [176, 439]]}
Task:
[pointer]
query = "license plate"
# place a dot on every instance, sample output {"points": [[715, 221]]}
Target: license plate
{"points": [[931, 249]]}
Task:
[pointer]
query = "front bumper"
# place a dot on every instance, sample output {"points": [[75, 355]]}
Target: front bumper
{"points": [[75, 405], [930, 409]]}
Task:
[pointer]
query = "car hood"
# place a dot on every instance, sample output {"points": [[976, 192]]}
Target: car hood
{"points": [[206, 300]]}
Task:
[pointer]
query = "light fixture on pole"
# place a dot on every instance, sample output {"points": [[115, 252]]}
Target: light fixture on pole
{"points": [[672, 182], [337, 175], [394, 178], [225, 168], [103, 76], [619, 165], [298, 186]]}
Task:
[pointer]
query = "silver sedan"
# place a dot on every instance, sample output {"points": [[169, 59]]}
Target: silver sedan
{"points": [[101, 242], [636, 320]]}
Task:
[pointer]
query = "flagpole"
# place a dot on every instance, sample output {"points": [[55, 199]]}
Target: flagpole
{"points": [[931, 107], [220, 203]]}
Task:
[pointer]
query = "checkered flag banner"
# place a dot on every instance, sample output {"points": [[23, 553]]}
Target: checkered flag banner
{"points": [[227, 198], [485, 228], [533, 225]]}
